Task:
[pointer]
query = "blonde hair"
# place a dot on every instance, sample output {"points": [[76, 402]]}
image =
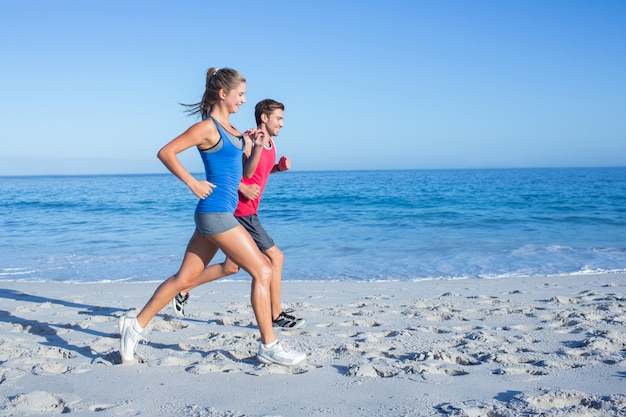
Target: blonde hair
{"points": [[226, 79]]}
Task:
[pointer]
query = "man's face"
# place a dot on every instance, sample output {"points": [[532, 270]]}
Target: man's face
{"points": [[274, 122]]}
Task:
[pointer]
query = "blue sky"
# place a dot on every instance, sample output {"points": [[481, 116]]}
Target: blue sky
{"points": [[93, 87]]}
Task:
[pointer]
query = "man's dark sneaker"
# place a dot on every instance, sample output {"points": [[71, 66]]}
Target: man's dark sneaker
{"points": [[178, 304], [288, 322]]}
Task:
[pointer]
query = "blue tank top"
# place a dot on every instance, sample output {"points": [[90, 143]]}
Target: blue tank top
{"points": [[223, 167]]}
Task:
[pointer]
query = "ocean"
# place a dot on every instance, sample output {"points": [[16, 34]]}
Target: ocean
{"points": [[353, 226]]}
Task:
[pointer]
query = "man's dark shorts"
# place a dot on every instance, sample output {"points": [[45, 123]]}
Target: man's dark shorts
{"points": [[259, 235], [252, 224]]}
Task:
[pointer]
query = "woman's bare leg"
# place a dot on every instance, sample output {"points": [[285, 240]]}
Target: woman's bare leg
{"points": [[276, 258], [215, 272], [198, 254], [228, 267], [241, 249]]}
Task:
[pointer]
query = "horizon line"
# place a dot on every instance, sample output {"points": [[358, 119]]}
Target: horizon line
{"points": [[103, 174]]}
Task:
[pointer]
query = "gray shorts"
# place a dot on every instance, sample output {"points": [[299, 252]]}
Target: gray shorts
{"points": [[209, 224], [252, 224]]}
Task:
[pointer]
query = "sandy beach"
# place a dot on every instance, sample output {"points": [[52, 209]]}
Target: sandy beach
{"points": [[550, 346]]}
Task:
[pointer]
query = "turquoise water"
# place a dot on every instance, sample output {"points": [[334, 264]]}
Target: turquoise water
{"points": [[344, 225]]}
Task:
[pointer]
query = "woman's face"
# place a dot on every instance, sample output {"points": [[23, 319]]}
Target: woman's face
{"points": [[235, 98]]}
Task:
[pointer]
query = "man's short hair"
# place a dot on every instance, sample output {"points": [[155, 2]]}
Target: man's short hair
{"points": [[266, 107]]}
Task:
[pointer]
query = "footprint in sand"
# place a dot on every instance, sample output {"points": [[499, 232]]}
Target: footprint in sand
{"points": [[102, 407], [523, 328], [50, 368], [262, 370], [374, 369], [35, 403], [205, 369], [32, 308], [558, 299], [430, 329], [436, 373], [167, 325], [545, 402], [519, 373], [53, 353], [175, 361], [360, 323]]}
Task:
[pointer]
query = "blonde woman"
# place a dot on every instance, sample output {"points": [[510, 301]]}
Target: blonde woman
{"points": [[260, 164], [221, 148]]}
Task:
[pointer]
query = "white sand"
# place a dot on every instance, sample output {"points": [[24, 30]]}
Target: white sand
{"points": [[550, 346]]}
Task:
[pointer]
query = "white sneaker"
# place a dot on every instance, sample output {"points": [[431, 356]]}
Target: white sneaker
{"points": [[129, 337], [280, 354]]}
